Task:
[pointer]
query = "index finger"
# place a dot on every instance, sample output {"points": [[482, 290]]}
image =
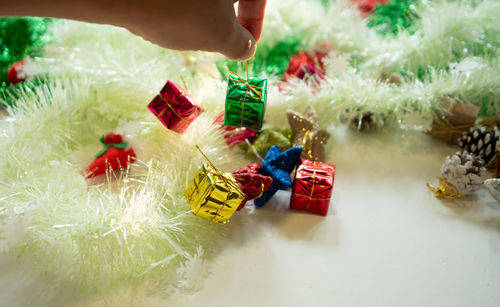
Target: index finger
{"points": [[251, 16]]}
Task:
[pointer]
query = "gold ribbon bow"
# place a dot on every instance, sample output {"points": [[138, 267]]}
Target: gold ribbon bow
{"points": [[445, 190]]}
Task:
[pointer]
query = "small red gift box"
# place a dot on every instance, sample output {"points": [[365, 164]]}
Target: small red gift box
{"points": [[313, 187], [174, 108]]}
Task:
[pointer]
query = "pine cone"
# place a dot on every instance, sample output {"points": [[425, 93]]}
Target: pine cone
{"points": [[481, 142], [463, 170]]}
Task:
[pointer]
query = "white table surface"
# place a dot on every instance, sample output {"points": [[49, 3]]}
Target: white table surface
{"points": [[385, 242]]}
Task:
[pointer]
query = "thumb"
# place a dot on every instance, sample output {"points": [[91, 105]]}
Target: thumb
{"points": [[240, 44]]}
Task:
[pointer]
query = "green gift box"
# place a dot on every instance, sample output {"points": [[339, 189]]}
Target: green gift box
{"points": [[245, 102]]}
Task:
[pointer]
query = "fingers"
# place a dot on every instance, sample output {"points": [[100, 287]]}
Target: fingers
{"points": [[251, 16], [240, 45]]}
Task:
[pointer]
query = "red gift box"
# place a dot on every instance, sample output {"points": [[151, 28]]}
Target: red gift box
{"points": [[313, 187], [174, 108]]}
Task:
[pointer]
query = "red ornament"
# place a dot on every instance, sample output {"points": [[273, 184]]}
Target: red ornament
{"points": [[313, 187], [112, 157], [304, 63], [251, 182], [366, 7], [15, 72], [234, 135], [174, 108]]}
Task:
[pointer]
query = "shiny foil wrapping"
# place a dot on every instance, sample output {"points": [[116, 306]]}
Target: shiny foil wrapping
{"points": [[174, 108], [214, 195], [313, 187], [245, 106], [251, 182]]}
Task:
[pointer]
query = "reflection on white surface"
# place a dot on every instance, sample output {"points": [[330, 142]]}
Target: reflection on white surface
{"points": [[385, 242]]}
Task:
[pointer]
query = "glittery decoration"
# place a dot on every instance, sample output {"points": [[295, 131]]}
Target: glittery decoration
{"points": [[393, 17], [278, 165], [445, 190], [493, 186], [174, 108], [20, 37], [245, 102], [251, 182], [308, 134], [313, 187], [269, 58], [213, 195], [112, 157], [306, 64], [281, 137]]}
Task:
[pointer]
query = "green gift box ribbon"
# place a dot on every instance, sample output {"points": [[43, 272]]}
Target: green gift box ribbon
{"points": [[245, 102]]}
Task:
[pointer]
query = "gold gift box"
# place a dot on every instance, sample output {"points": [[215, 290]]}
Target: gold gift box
{"points": [[213, 195]]}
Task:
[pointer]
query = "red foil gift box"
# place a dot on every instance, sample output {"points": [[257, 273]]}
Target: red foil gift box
{"points": [[312, 188], [174, 108]]}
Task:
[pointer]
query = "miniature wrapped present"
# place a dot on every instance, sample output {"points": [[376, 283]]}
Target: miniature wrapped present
{"points": [[313, 187], [214, 195], [174, 108], [245, 102], [450, 126]]}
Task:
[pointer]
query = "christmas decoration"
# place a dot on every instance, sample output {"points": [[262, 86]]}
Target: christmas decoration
{"points": [[213, 195], [445, 190], [281, 137], [20, 38], [278, 165], [498, 163], [306, 64], [245, 102], [463, 170], [481, 142], [393, 78], [394, 16], [493, 186], [313, 187], [140, 232], [364, 122], [251, 182], [234, 135], [458, 117], [308, 134], [174, 108], [367, 6], [15, 73], [112, 157]]}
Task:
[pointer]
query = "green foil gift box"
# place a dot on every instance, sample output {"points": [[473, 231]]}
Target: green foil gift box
{"points": [[214, 195], [245, 102]]}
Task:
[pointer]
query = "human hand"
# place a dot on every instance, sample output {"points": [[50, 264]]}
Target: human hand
{"points": [[208, 25]]}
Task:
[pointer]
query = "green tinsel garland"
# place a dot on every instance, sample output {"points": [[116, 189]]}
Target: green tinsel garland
{"points": [[20, 37], [394, 16], [271, 59]]}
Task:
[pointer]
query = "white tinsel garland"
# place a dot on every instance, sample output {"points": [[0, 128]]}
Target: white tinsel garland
{"points": [[101, 79]]}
